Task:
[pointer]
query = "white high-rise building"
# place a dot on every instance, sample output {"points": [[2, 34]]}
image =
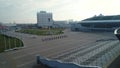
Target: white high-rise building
{"points": [[44, 19]]}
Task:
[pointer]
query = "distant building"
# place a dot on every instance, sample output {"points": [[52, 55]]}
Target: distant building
{"points": [[3, 27], [26, 26], [10, 26], [61, 24], [44, 19]]}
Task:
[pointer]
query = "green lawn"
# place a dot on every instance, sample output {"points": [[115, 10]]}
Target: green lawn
{"points": [[42, 31], [9, 42]]}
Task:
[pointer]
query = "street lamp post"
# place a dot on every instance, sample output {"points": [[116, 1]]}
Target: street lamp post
{"points": [[15, 42], [9, 43], [5, 42]]}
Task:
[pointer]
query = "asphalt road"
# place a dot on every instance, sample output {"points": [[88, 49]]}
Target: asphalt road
{"points": [[33, 45]]}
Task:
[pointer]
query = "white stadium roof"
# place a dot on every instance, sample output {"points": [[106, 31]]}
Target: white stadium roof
{"points": [[100, 21]]}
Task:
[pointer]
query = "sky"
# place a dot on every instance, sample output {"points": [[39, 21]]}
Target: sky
{"points": [[24, 11]]}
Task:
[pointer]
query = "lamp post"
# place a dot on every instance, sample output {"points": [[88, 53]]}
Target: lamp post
{"points": [[5, 42], [9, 43], [15, 43]]}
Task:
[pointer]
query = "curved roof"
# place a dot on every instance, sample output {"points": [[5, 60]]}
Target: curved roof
{"points": [[100, 21], [112, 17]]}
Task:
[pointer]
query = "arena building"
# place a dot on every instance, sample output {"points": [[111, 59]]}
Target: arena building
{"points": [[101, 23]]}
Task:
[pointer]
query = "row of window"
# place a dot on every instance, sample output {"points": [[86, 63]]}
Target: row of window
{"points": [[101, 25]]}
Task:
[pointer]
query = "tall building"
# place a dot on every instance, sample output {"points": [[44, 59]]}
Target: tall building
{"points": [[44, 19]]}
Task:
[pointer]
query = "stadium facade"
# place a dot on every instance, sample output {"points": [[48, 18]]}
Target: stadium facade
{"points": [[101, 23]]}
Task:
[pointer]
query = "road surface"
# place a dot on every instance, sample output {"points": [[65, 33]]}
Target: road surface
{"points": [[85, 48]]}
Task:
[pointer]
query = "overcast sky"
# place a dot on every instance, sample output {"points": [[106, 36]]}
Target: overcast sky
{"points": [[24, 11]]}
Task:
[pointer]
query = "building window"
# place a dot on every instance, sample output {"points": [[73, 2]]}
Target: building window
{"points": [[48, 19]]}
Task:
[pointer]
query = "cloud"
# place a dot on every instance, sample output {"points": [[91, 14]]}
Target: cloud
{"points": [[23, 10]]}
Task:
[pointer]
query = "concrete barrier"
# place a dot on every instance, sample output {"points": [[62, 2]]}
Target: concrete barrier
{"points": [[59, 64], [54, 38]]}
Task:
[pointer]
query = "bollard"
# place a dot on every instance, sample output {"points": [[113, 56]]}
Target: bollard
{"points": [[46, 39], [58, 37], [43, 40], [38, 59], [55, 37], [51, 38]]}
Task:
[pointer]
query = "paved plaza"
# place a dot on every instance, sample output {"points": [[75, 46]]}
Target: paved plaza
{"points": [[84, 48]]}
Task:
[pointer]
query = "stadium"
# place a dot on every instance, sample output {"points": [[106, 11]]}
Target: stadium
{"points": [[68, 50], [98, 23]]}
